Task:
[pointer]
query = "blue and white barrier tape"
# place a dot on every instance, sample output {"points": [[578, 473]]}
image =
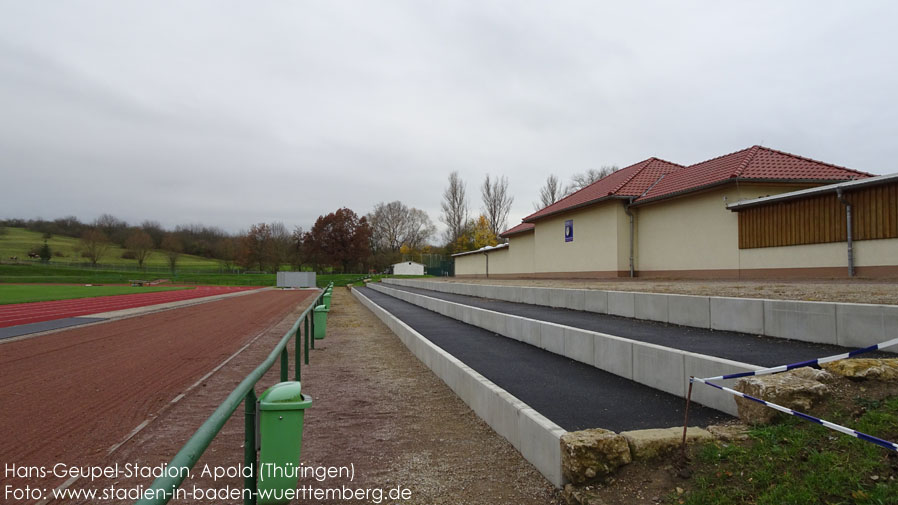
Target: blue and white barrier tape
{"points": [[813, 362], [848, 431]]}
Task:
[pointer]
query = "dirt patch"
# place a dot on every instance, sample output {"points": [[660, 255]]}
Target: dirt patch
{"points": [[854, 291]]}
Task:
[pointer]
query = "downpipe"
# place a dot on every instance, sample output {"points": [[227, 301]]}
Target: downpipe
{"points": [[847, 205], [632, 220]]}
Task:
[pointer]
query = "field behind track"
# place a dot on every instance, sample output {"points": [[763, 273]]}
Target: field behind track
{"points": [[27, 293]]}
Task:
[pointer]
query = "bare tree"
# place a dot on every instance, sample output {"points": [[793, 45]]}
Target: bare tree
{"points": [[172, 246], [419, 229], [282, 243], [226, 250], [580, 181], [455, 209], [496, 203], [94, 245], [155, 230], [389, 224], [298, 248], [114, 228], [550, 193], [140, 243]]}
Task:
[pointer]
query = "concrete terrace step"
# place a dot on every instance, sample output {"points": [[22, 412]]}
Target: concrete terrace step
{"points": [[526, 394], [660, 367], [844, 324], [731, 345]]}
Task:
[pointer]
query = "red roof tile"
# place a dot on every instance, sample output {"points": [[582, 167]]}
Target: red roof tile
{"points": [[758, 163], [521, 228], [630, 181]]}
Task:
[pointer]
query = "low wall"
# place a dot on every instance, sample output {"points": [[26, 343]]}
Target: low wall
{"points": [[844, 324], [660, 367], [532, 434]]}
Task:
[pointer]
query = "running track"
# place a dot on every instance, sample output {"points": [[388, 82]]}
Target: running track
{"points": [[35, 312]]}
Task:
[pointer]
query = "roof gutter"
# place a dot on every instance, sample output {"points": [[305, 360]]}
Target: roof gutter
{"points": [[575, 207], [829, 188]]}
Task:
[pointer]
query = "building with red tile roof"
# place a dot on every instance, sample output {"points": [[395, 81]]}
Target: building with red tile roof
{"points": [[659, 218], [755, 164], [626, 183]]}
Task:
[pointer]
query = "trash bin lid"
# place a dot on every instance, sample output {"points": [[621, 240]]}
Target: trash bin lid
{"points": [[283, 396], [321, 308]]}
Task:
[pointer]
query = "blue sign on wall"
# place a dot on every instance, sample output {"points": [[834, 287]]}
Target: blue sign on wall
{"points": [[569, 230]]}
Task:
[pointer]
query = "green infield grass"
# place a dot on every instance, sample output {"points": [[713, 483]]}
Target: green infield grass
{"points": [[14, 293], [47, 274]]}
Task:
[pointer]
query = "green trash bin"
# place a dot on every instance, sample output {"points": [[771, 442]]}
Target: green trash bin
{"points": [[320, 319], [326, 299], [281, 411]]}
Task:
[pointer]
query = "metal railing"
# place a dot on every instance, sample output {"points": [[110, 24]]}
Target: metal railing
{"points": [[163, 488]]}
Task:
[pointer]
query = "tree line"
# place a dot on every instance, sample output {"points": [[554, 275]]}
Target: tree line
{"points": [[341, 241]]}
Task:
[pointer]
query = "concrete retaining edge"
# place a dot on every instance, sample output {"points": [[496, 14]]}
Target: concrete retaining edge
{"points": [[537, 438], [844, 324], [660, 367]]}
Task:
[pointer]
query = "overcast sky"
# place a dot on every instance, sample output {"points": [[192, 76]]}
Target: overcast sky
{"points": [[232, 113]]}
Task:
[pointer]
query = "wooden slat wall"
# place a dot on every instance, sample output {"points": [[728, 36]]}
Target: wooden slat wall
{"points": [[821, 219]]}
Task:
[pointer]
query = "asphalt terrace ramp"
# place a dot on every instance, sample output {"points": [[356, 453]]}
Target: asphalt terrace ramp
{"points": [[743, 347], [573, 395]]}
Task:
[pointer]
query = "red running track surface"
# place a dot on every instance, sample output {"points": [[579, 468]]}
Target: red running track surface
{"points": [[35, 312]]}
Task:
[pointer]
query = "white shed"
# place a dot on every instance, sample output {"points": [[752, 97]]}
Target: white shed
{"points": [[408, 268]]}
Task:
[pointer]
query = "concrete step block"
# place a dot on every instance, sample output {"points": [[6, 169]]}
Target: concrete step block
{"points": [[621, 303], [659, 367], [596, 301], [614, 355], [688, 310], [862, 325], [737, 314], [650, 307], [579, 345], [806, 321]]}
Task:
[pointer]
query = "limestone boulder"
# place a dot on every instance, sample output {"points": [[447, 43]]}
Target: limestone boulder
{"points": [[814, 374], [589, 455], [648, 444], [792, 389], [856, 368], [729, 432]]}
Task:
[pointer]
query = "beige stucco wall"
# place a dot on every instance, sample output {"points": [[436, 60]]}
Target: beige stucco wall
{"points": [[517, 259], [867, 253], [696, 231], [692, 233], [595, 244], [470, 264]]}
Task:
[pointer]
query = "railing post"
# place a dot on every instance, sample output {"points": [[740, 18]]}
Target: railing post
{"points": [[306, 339], [297, 349], [312, 324], [249, 451], [285, 364]]}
